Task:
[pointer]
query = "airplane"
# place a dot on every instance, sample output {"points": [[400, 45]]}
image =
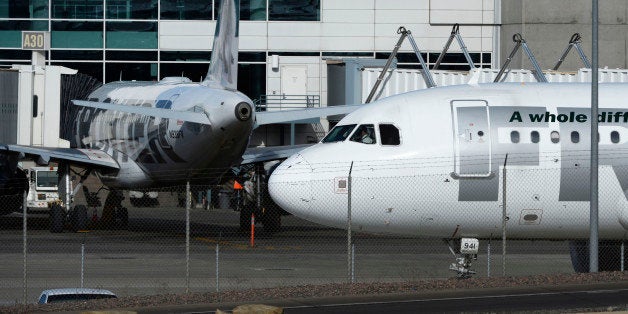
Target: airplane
{"points": [[435, 167], [135, 135]]}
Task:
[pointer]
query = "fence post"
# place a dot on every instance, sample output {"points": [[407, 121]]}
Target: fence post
{"points": [[24, 245], [217, 266], [504, 217], [349, 241], [488, 257], [188, 204]]}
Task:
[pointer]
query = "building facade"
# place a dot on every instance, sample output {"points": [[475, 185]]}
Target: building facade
{"points": [[284, 44]]}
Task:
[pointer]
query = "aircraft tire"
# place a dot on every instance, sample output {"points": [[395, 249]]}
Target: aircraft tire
{"points": [[57, 218], [122, 218], [609, 255], [79, 218]]}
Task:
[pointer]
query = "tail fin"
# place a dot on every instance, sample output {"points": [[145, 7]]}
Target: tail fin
{"points": [[223, 69]]}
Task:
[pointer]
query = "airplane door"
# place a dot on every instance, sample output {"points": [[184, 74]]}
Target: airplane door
{"points": [[472, 138]]}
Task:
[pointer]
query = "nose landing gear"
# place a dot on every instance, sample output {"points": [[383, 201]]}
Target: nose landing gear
{"points": [[469, 253]]}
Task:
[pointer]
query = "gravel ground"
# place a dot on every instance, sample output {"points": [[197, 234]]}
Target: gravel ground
{"points": [[326, 290]]}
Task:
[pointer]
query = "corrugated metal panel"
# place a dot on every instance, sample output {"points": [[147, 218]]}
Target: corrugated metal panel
{"points": [[405, 80], [8, 106]]}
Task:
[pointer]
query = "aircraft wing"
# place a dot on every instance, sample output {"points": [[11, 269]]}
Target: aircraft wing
{"points": [[188, 116], [259, 154], [91, 157], [286, 116]]}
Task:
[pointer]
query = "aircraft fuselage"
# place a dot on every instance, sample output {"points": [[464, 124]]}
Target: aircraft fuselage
{"points": [[444, 178]]}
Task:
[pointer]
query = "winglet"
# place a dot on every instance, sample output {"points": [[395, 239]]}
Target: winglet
{"points": [[223, 69]]}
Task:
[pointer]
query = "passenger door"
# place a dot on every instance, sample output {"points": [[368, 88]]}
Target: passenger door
{"points": [[472, 138]]}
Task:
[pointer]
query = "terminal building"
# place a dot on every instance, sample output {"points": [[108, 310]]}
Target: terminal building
{"points": [[286, 45]]}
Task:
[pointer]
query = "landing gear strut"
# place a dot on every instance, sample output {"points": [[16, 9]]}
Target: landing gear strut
{"points": [[469, 253]]}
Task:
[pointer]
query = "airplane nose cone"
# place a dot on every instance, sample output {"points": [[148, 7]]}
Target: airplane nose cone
{"points": [[289, 186]]}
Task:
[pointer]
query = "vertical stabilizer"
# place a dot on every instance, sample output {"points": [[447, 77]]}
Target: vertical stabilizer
{"points": [[223, 69]]}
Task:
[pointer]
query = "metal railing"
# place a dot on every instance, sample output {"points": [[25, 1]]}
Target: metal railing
{"points": [[286, 102]]}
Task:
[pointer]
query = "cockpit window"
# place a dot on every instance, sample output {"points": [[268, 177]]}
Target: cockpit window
{"points": [[339, 133], [365, 133], [389, 134]]}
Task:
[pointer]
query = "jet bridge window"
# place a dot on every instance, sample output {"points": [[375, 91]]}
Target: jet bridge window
{"points": [[365, 133], [389, 134], [339, 133]]}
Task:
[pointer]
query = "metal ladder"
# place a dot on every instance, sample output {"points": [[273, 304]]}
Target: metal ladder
{"points": [[455, 33], [573, 42], [521, 42], [427, 76]]}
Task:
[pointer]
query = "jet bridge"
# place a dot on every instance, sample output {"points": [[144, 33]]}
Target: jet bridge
{"points": [[31, 105]]}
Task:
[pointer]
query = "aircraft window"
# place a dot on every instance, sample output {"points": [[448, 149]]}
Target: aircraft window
{"points": [[615, 137], [514, 136], [534, 137], [389, 134], [555, 137], [575, 137], [365, 133], [339, 133]]}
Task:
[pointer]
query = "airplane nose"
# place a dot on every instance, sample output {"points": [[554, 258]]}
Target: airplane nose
{"points": [[289, 186]]}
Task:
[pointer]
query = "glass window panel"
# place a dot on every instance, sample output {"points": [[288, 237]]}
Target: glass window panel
{"points": [[252, 56], [132, 55], [575, 137], [76, 54], [79, 34], [130, 71], [133, 35], [252, 79], [389, 134], [23, 9], [615, 137], [15, 54], [93, 69], [364, 134], [555, 137], [77, 9], [250, 10], [11, 31], [186, 10], [132, 9], [294, 10], [535, 137], [193, 71], [339, 133], [514, 136], [185, 56]]}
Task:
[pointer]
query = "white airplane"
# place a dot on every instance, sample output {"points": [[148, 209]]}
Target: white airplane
{"points": [[154, 134], [433, 166]]}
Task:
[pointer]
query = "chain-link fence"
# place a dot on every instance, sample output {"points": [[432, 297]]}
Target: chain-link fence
{"points": [[235, 240]]}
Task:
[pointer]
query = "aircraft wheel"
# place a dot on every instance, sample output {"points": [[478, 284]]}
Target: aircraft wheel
{"points": [[245, 218], [122, 218], [78, 218], [57, 218]]}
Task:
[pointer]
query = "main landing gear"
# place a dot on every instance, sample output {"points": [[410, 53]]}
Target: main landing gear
{"points": [[467, 254]]}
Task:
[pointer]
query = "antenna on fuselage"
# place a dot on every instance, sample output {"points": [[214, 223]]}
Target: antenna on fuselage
{"points": [[223, 66]]}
